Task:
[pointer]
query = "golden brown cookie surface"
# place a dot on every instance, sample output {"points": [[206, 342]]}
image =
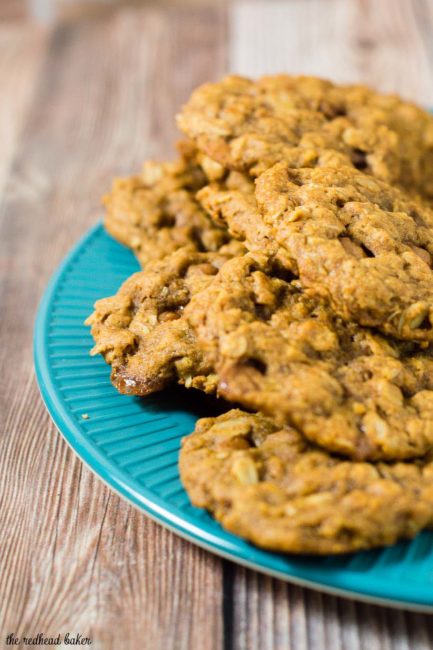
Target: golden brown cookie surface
{"points": [[270, 486], [357, 241], [243, 328], [363, 245], [278, 350], [140, 332], [304, 121], [155, 213]]}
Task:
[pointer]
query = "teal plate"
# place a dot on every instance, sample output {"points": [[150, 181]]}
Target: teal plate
{"points": [[132, 444]]}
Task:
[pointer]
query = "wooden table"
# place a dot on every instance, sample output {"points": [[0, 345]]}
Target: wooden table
{"points": [[82, 102]]}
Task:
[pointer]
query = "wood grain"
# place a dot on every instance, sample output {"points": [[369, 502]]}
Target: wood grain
{"points": [[12, 10], [86, 101], [270, 614], [22, 48], [386, 44]]}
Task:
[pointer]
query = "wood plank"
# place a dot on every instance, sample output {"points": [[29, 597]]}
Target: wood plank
{"points": [[12, 10], [386, 44], [269, 614], [22, 49], [73, 556]]}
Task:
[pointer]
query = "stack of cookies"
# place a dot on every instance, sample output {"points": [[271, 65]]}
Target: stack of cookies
{"points": [[287, 268]]}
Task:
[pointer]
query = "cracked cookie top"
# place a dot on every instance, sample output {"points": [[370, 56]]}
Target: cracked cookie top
{"points": [[359, 242], [363, 245]]}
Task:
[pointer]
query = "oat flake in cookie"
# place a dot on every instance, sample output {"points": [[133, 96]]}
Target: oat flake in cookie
{"points": [[275, 489]]}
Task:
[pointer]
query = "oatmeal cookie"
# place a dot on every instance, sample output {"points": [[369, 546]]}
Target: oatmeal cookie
{"points": [[155, 213], [304, 121], [354, 240], [140, 333], [277, 490], [279, 350]]}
